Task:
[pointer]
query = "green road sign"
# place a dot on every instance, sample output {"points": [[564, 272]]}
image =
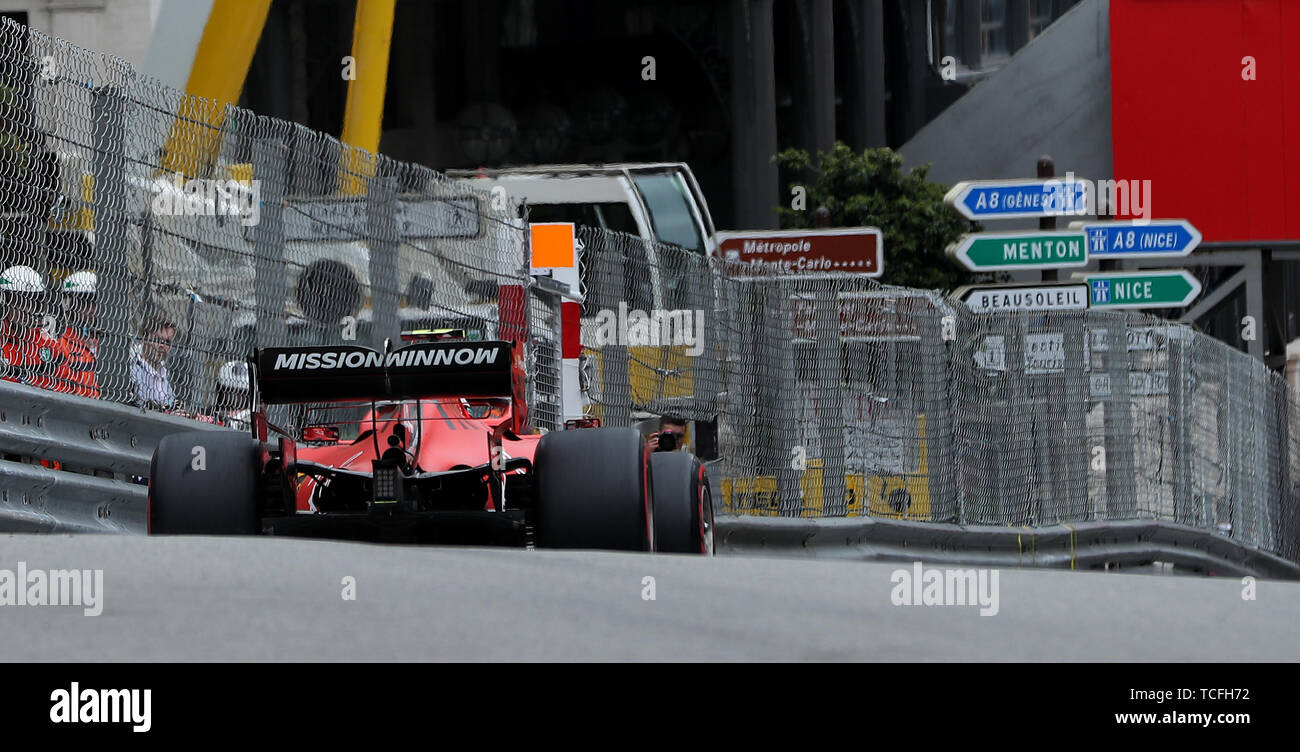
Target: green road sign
{"points": [[1010, 251], [1165, 288]]}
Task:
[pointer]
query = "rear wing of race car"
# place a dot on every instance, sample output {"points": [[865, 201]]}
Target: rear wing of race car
{"points": [[330, 373]]}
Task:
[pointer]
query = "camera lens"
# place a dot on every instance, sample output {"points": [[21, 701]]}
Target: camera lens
{"points": [[667, 442]]}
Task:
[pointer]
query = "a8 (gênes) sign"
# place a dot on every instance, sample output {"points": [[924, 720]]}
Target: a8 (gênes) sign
{"points": [[1018, 199]]}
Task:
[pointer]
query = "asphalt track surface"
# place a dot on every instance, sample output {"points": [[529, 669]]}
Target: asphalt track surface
{"points": [[214, 599]]}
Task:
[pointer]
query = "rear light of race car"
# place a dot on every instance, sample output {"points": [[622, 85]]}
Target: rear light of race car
{"points": [[582, 423], [386, 483], [321, 434]]}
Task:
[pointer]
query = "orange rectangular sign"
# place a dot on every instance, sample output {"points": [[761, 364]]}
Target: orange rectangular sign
{"points": [[552, 244]]}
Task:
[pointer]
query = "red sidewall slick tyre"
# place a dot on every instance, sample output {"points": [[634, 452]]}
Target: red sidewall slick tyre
{"points": [[594, 491], [683, 505], [220, 499]]}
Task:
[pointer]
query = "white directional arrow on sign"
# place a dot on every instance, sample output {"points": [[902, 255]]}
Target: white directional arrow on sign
{"points": [[1064, 296]]}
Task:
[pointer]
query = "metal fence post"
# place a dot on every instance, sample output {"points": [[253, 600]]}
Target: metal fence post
{"points": [[267, 239], [703, 296], [829, 394], [1281, 502], [1179, 405], [966, 419], [1260, 435], [117, 316], [937, 376], [1017, 488], [1121, 500], [1229, 448], [1073, 448], [746, 461], [775, 395], [606, 287], [381, 232]]}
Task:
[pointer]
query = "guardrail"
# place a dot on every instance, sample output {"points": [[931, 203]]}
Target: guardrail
{"points": [[99, 446], [1088, 545]]}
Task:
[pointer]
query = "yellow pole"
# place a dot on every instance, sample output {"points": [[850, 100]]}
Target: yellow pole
{"points": [[221, 64], [372, 37]]}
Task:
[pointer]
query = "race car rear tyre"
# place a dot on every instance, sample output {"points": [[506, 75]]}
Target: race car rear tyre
{"points": [[208, 492], [683, 504], [594, 490]]}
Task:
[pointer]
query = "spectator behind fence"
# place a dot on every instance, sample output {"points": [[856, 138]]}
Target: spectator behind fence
{"points": [[29, 351], [78, 345], [149, 366]]}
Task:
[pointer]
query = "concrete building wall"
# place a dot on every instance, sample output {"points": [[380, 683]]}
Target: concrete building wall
{"points": [[117, 27], [1052, 98], [177, 31]]}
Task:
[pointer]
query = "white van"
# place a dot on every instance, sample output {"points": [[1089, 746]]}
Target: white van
{"points": [[656, 201]]}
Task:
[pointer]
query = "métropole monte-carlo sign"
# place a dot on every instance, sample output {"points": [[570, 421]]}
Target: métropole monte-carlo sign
{"points": [[802, 253]]}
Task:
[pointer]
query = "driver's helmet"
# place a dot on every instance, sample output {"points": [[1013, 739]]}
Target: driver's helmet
{"points": [[480, 409]]}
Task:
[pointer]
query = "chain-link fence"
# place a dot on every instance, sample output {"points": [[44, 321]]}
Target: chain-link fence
{"points": [[212, 230], [833, 395]]}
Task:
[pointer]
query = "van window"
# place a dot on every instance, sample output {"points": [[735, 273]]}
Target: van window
{"points": [[610, 216], [668, 201]]}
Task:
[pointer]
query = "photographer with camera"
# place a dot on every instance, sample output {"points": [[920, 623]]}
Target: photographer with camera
{"points": [[671, 436]]}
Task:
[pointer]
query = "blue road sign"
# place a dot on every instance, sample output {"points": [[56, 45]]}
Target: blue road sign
{"points": [[1156, 238], [1017, 199]]}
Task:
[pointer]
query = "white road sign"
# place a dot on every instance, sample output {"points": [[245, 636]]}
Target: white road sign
{"points": [[1140, 384], [1003, 298], [1044, 353]]}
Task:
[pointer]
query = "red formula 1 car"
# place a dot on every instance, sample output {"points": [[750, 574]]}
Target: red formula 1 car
{"points": [[428, 442]]}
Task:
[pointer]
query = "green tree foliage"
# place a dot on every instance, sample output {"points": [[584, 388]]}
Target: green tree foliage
{"points": [[872, 189]]}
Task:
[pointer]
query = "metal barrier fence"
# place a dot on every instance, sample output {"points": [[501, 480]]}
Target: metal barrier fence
{"points": [[837, 397], [212, 229], [104, 448]]}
